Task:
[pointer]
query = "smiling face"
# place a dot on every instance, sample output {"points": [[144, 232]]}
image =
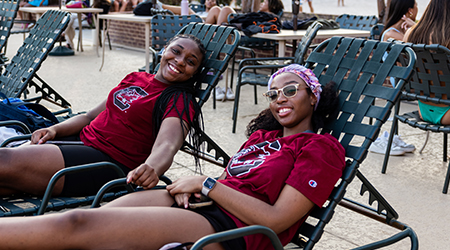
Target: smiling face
{"points": [[293, 113], [180, 61]]}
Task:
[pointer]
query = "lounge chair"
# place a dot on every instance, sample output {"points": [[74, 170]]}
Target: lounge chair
{"points": [[219, 52], [19, 76], [357, 67]]}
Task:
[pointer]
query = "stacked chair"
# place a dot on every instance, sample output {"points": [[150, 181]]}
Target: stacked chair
{"points": [[221, 44], [248, 75], [430, 82], [347, 21], [357, 67]]}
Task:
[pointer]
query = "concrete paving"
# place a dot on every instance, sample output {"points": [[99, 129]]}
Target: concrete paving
{"points": [[412, 184]]}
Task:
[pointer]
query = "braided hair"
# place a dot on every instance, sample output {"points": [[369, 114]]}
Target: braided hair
{"points": [[326, 111], [186, 91]]}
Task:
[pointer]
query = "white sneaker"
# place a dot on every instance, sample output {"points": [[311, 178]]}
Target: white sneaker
{"points": [[220, 93], [408, 148], [158, 5], [229, 94], [380, 144]]}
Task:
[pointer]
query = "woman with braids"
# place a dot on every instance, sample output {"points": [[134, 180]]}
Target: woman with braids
{"points": [[276, 178], [140, 127]]}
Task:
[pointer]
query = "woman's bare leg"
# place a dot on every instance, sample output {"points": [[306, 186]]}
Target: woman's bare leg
{"points": [[29, 168], [213, 14], [143, 198], [223, 16], [107, 228]]}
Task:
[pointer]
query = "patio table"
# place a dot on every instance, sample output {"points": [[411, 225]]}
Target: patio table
{"points": [[129, 18], [41, 10], [288, 35]]}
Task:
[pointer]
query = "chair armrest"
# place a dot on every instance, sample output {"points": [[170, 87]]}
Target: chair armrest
{"points": [[237, 233], [20, 124], [75, 169]]}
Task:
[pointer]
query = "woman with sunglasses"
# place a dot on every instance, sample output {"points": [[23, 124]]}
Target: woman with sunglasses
{"points": [[277, 177]]}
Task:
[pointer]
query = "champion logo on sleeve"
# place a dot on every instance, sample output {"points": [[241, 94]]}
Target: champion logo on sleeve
{"points": [[312, 183]]}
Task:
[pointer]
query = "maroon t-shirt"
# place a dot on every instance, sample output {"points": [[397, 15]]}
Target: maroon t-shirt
{"points": [[311, 163], [124, 130]]}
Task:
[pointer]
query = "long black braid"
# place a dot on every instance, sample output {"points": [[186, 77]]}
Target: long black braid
{"points": [[325, 112], [184, 90]]}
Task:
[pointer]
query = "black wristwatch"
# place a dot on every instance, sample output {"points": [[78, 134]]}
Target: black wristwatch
{"points": [[208, 184]]}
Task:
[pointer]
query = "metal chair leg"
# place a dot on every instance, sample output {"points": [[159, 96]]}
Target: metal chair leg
{"points": [[447, 180], [425, 143]]}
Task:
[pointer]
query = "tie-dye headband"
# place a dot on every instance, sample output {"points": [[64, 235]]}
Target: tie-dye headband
{"points": [[306, 74]]}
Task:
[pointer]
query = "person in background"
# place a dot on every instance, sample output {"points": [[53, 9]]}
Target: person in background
{"points": [[283, 171], [208, 5], [402, 15], [310, 5], [432, 28], [341, 2], [219, 16], [69, 33], [33, 3]]}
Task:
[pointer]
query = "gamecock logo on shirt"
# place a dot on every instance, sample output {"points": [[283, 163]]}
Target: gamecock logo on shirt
{"points": [[124, 97], [251, 157]]}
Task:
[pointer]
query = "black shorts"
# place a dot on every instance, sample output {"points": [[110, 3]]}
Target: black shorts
{"points": [[86, 182], [220, 221]]}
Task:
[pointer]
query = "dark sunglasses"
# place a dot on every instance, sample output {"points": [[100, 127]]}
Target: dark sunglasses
{"points": [[288, 91]]}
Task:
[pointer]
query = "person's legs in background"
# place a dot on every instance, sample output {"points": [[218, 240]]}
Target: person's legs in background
{"points": [[310, 6]]}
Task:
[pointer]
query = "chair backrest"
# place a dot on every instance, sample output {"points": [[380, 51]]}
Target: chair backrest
{"points": [[8, 12], [303, 46], [357, 67], [347, 21], [218, 54], [430, 80], [376, 31], [165, 27], [19, 73], [197, 7]]}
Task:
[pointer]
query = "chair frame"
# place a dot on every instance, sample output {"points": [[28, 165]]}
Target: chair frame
{"points": [[376, 31], [256, 79], [426, 84]]}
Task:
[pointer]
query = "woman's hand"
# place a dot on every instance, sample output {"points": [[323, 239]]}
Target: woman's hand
{"points": [[42, 135], [182, 199], [408, 23], [144, 176], [187, 184]]}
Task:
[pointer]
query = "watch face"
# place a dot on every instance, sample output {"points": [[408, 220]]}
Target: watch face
{"points": [[209, 183]]}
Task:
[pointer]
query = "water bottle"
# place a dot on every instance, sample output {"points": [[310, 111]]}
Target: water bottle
{"points": [[63, 3], [184, 7]]}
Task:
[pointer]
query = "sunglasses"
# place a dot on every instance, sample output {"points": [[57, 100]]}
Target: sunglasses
{"points": [[288, 91]]}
